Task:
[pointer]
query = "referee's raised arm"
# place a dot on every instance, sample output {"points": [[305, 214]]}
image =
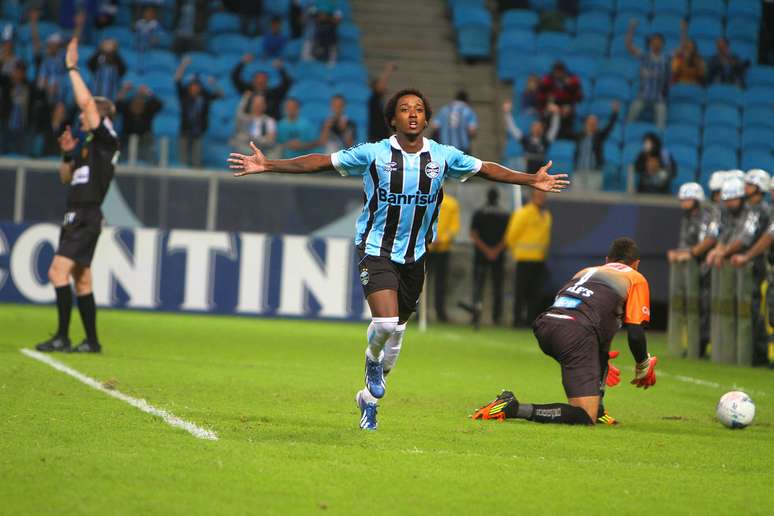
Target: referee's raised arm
{"points": [[81, 92]]}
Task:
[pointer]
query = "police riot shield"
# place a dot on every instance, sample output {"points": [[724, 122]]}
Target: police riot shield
{"points": [[684, 322]]}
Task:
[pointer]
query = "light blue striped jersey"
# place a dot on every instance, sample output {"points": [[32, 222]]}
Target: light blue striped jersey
{"points": [[454, 120], [403, 192]]}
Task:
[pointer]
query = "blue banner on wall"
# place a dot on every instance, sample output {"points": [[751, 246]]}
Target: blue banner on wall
{"points": [[196, 271]]}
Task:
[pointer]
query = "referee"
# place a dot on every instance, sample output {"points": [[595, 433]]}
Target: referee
{"points": [[88, 169]]}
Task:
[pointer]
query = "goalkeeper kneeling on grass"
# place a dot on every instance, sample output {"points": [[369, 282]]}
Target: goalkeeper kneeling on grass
{"points": [[577, 331]]}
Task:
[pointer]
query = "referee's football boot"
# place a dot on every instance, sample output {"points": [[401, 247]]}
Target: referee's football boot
{"points": [[55, 343], [367, 412], [87, 346], [496, 408], [374, 377]]}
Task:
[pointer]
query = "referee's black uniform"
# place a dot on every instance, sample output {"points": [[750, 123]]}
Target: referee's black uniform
{"points": [[93, 167], [93, 170]]}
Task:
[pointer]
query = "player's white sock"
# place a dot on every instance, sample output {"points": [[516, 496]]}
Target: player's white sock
{"points": [[392, 348], [368, 397], [379, 331]]}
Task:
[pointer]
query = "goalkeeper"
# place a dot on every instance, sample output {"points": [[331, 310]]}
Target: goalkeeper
{"points": [[577, 331]]}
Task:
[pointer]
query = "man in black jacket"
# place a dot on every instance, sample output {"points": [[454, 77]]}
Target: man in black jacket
{"points": [[194, 114], [18, 98], [138, 110], [259, 85], [589, 150]]}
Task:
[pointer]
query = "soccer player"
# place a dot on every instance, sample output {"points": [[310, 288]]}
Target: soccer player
{"points": [[577, 331], [88, 171], [403, 177]]}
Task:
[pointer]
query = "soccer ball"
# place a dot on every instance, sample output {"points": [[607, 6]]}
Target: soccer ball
{"points": [[735, 409]]}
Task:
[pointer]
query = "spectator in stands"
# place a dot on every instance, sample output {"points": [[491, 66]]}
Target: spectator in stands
{"points": [[562, 89], [259, 85], [51, 65], [106, 13], [487, 230], [339, 130], [528, 236], [530, 104], [439, 252], [726, 67], [194, 113], [18, 97], [107, 67], [137, 112], [589, 150], [296, 134], [536, 143], [456, 123], [147, 30], [53, 129], [254, 125], [274, 42], [8, 55], [377, 125], [654, 76], [325, 36], [654, 166], [687, 65]]}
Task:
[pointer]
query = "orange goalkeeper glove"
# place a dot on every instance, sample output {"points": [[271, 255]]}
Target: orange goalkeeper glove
{"points": [[613, 373], [645, 373]]}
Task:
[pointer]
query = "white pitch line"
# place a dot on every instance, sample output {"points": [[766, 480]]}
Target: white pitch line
{"points": [[168, 417], [707, 383]]}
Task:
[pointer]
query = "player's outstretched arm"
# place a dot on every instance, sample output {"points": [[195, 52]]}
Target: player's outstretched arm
{"points": [[81, 92], [257, 163], [541, 180]]}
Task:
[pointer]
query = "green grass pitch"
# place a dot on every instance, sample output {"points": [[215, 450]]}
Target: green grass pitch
{"points": [[280, 396]]}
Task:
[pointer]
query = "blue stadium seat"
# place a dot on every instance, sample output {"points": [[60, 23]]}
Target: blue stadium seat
{"points": [[705, 27], [474, 41], [122, 35], [612, 178], [202, 63], [740, 29], [316, 112], [668, 24], [758, 117], [618, 48], [682, 112], [562, 151], [513, 149], [601, 108], [688, 93], [760, 76], [607, 6], [311, 90], [348, 33], [213, 154], [630, 152], [281, 8], [644, 7], [593, 22], [685, 156], [166, 125], [674, 7], [716, 8], [160, 82], [159, 61], [636, 131], [466, 16], [757, 159], [553, 42], [626, 67], [744, 8], [351, 53], [721, 114], [516, 39], [310, 70], [45, 29], [348, 72], [725, 94], [584, 66], [612, 153], [518, 19], [621, 25], [223, 22], [758, 138], [230, 43], [352, 91], [719, 157], [612, 87], [721, 136], [590, 44], [684, 175], [687, 134], [292, 51], [745, 49]]}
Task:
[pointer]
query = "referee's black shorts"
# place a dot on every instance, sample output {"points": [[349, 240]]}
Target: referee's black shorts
{"points": [[576, 348], [379, 273], [79, 234]]}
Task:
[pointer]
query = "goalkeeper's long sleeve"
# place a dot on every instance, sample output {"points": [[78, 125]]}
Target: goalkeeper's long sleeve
{"points": [[638, 344]]}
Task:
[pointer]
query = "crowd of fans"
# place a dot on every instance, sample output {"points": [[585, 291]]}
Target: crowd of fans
{"points": [[35, 104]]}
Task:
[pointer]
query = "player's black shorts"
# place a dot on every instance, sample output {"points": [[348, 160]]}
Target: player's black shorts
{"points": [[79, 234], [576, 348], [378, 273]]}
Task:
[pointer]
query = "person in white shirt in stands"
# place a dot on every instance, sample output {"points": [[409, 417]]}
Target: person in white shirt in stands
{"points": [[253, 124]]}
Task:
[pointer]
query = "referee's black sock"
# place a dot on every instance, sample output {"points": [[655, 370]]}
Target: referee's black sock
{"points": [[88, 310], [64, 305], [551, 413]]}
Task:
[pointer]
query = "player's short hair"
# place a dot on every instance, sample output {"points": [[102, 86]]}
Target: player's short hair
{"points": [[623, 250], [463, 96], [105, 107], [392, 105]]}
